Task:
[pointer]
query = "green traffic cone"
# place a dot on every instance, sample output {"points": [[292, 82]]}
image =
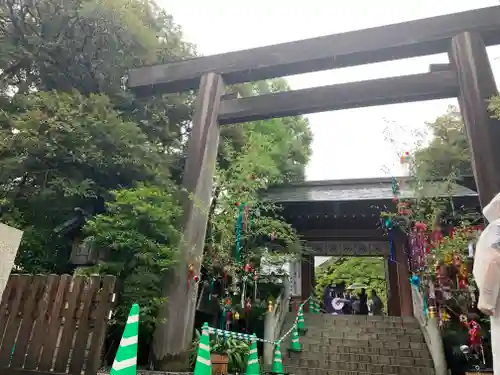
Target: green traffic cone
{"points": [[300, 322], [295, 343], [125, 362], [253, 358], [311, 306], [318, 307], [277, 362], [203, 364]]}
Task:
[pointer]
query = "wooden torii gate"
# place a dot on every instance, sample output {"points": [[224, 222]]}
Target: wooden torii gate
{"points": [[468, 76]]}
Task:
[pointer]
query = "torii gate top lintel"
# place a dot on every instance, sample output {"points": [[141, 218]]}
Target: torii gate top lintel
{"points": [[391, 42]]}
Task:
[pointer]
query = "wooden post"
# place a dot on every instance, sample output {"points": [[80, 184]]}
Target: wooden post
{"points": [[476, 87], [173, 334]]}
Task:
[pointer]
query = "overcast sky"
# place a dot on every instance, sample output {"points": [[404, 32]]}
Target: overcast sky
{"points": [[348, 143]]}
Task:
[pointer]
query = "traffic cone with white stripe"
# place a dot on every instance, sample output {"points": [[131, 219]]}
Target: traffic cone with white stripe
{"points": [[126, 357], [317, 307], [295, 343], [300, 322], [312, 308], [203, 364], [277, 362], [253, 358]]}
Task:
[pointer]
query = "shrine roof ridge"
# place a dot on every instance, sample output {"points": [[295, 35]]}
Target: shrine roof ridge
{"points": [[376, 189]]}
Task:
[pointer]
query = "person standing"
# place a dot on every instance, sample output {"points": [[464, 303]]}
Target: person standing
{"points": [[363, 302], [377, 304]]}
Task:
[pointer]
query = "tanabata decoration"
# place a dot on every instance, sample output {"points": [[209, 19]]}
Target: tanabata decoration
{"points": [[190, 274], [239, 227], [405, 157]]}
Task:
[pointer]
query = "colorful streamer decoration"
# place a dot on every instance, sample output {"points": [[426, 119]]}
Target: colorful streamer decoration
{"points": [[239, 227]]}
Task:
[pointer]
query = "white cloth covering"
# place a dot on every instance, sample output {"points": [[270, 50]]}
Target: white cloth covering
{"points": [[487, 274]]}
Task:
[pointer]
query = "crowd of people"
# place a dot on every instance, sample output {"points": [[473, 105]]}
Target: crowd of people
{"points": [[338, 300]]}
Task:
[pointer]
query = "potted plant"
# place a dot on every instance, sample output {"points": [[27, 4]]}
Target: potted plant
{"points": [[219, 356], [228, 355]]}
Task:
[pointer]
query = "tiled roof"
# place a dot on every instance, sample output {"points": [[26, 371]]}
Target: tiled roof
{"points": [[358, 190]]}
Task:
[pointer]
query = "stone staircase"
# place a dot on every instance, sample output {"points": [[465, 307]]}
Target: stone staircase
{"points": [[358, 345]]}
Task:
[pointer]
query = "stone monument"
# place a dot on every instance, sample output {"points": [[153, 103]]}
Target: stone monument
{"points": [[10, 239]]}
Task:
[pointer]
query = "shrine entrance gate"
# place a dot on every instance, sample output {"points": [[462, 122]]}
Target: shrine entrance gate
{"points": [[468, 76]]}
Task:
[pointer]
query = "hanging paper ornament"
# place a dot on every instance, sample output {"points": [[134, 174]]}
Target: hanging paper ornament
{"points": [[248, 305], [463, 283], [247, 268], [432, 291], [405, 157], [245, 218], [212, 288], [444, 316], [470, 249], [474, 332], [229, 316], [236, 316], [464, 272], [448, 259], [255, 285], [243, 290], [420, 227], [415, 281], [239, 227], [403, 208], [190, 274], [395, 187]]}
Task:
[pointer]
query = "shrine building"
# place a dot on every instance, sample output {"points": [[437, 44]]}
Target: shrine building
{"points": [[342, 218]]}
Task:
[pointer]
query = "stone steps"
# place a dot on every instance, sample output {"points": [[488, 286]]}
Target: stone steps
{"points": [[358, 345], [388, 343], [355, 321], [326, 360], [315, 350], [343, 368], [321, 336], [324, 331]]}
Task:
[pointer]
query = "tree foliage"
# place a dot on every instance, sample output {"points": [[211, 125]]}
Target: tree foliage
{"points": [[448, 151], [365, 270], [72, 137], [59, 152], [137, 237]]}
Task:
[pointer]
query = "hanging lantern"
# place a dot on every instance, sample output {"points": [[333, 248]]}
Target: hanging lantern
{"points": [[247, 268], [270, 306], [457, 261], [236, 316]]}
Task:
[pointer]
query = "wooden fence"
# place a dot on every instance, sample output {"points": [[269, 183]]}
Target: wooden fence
{"points": [[54, 324]]}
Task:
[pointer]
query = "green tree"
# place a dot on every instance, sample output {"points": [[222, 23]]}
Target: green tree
{"points": [[59, 152], [365, 270], [448, 151], [137, 240]]}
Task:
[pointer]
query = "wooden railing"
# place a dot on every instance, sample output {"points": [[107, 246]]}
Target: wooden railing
{"points": [[273, 322], [430, 329]]}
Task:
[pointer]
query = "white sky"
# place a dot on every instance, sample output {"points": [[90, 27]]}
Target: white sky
{"points": [[348, 143]]}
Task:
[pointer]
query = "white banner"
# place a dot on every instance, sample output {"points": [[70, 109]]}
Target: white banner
{"points": [[295, 278], [10, 239]]}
